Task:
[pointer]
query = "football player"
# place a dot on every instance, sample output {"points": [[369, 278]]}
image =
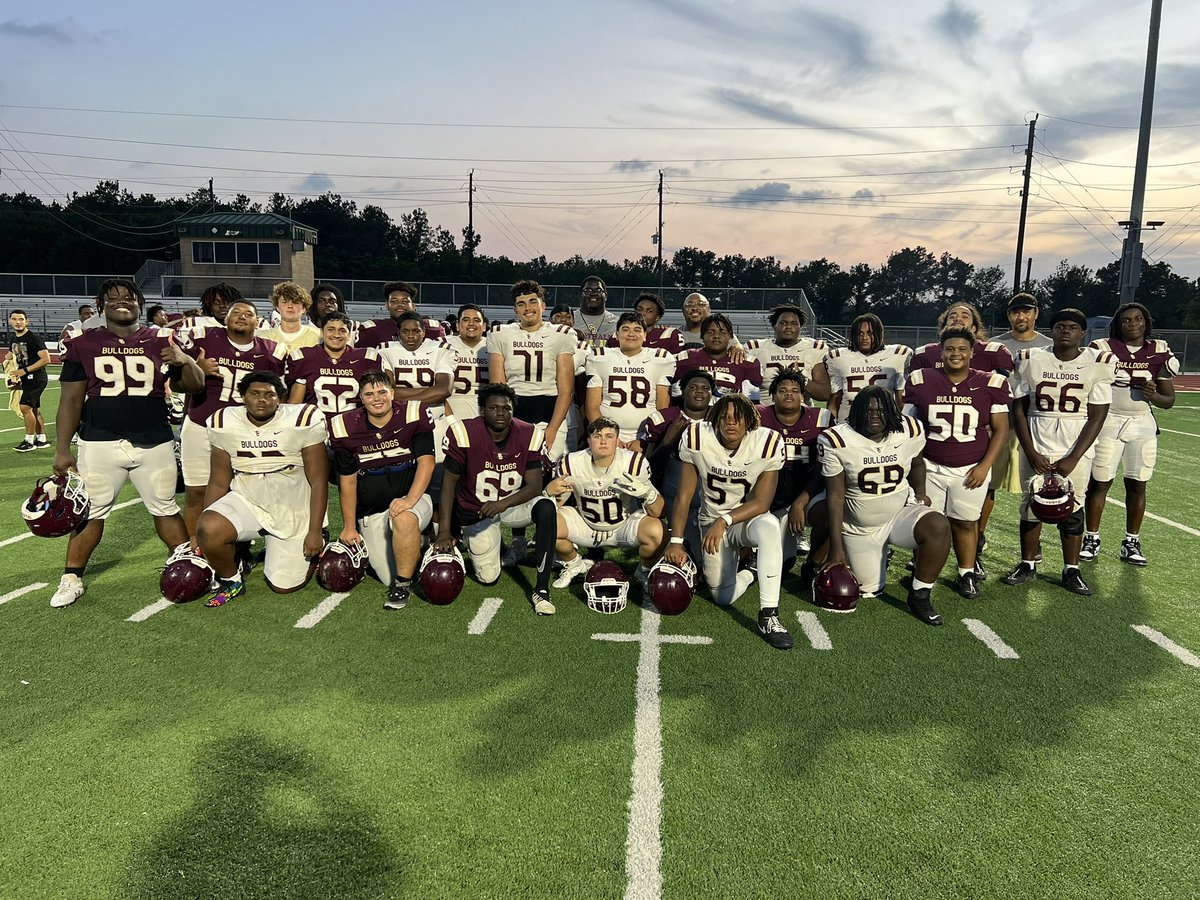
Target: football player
{"points": [[327, 375], [383, 454], [717, 358], [269, 478], [291, 302], [1061, 399], [29, 360], [1145, 369], [876, 496], [695, 310], [327, 299], [615, 503], [214, 306], [868, 360], [469, 356], [596, 323], [401, 298], [420, 367], [986, 356], [493, 474], [113, 393], [957, 404], [624, 383], [226, 353], [658, 337], [75, 328], [787, 349], [735, 464]]}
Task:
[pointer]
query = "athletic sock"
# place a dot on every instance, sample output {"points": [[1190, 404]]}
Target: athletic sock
{"points": [[1132, 537], [1032, 563], [1068, 568], [41, 439], [918, 585], [73, 570], [962, 571], [1091, 534]]}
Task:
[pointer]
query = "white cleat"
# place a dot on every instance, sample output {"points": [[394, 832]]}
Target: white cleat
{"points": [[572, 567], [70, 589]]}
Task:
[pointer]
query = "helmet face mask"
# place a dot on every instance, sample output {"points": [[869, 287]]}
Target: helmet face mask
{"points": [[1052, 498], [187, 576], [671, 587], [606, 587], [443, 574], [836, 589], [341, 566], [57, 506]]}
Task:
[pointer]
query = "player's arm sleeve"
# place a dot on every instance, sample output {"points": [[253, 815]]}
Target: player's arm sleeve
{"points": [[344, 462], [423, 444], [72, 370]]}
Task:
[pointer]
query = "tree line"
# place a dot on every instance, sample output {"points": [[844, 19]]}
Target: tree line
{"points": [[111, 230]]}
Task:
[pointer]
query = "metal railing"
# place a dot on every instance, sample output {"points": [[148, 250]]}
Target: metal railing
{"points": [[80, 287]]}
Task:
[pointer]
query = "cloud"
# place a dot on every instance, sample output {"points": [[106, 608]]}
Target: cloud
{"points": [[775, 192], [839, 37], [764, 108], [632, 165], [317, 182], [957, 23], [866, 195], [64, 31]]}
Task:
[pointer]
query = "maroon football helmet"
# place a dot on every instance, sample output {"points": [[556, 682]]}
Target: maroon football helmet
{"points": [[836, 589], [443, 575], [606, 587], [1052, 498], [341, 566], [187, 576], [671, 587], [57, 506]]}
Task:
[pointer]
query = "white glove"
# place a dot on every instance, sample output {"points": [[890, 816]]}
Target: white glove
{"points": [[633, 487]]}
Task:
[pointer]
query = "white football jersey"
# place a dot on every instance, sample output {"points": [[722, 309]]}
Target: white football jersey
{"points": [[851, 371], [531, 357], [1135, 366], [417, 368], [727, 480], [629, 384], [804, 355], [1063, 390], [603, 507], [470, 373], [876, 471], [306, 336], [268, 462]]}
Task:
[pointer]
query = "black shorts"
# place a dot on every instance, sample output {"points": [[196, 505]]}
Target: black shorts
{"points": [[31, 393], [535, 409]]}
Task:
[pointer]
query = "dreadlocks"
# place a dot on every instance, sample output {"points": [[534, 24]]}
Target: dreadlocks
{"points": [[892, 420], [740, 408], [1114, 327]]}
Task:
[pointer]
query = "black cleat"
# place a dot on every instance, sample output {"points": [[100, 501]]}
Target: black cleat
{"points": [[918, 602], [397, 597], [980, 572], [1073, 582], [1023, 573], [808, 574], [968, 586], [772, 629]]}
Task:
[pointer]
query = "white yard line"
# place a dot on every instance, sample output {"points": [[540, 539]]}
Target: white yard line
{"points": [[814, 630], [152, 610], [21, 592], [1150, 515], [320, 611], [1185, 433], [990, 639], [1181, 653], [483, 618], [29, 534]]}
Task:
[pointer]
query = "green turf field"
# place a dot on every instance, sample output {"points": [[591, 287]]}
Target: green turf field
{"points": [[229, 754]]}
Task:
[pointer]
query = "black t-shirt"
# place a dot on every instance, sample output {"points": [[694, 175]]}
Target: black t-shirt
{"points": [[25, 349]]}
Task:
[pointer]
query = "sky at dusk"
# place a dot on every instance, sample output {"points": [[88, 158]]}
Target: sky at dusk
{"points": [[842, 130]]}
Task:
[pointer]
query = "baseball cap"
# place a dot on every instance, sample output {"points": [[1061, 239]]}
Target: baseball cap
{"points": [[1023, 301], [1070, 314], [562, 308]]}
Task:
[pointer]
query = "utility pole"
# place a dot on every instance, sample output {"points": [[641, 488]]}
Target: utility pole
{"points": [[1024, 205], [1131, 247], [1028, 272], [471, 225], [212, 198], [658, 237]]}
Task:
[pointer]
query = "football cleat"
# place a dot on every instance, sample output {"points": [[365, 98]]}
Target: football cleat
{"points": [[772, 629], [1052, 498], [670, 587], [25, 447], [606, 587], [1021, 574], [58, 506], [187, 576], [918, 602], [572, 567], [1091, 547], [1131, 551], [227, 590], [397, 596], [968, 586], [541, 603], [1073, 581], [980, 572], [443, 575], [70, 589], [340, 566], [836, 589]]}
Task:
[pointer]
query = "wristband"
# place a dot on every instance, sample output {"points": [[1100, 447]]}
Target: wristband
{"points": [[676, 540], [727, 518]]}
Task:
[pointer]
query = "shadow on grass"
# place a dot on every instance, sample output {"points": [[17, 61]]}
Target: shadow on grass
{"points": [[264, 823]]}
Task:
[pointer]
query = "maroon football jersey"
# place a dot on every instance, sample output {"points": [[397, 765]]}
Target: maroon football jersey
{"points": [[956, 416], [728, 375], [331, 384], [991, 356], [126, 380], [488, 471], [233, 364], [381, 332], [800, 449], [660, 337]]}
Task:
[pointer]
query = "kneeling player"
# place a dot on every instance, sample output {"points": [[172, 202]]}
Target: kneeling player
{"points": [[735, 464], [606, 480], [269, 470], [493, 474], [383, 454], [875, 492]]}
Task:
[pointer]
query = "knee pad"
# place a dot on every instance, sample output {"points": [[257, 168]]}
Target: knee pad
{"points": [[1074, 525]]}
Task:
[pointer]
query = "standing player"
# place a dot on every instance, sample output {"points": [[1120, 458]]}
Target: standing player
{"points": [[383, 455], [735, 464], [326, 299], [291, 302], [658, 337], [596, 323], [420, 367], [114, 393], [986, 356], [695, 311], [214, 306], [469, 355], [269, 479], [623, 384], [493, 474], [615, 503], [75, 329], [787, 350], [401, 298], [716, 358], [1145, 369], [226, 354], [875, 496], [1061, 399], [30, 358], [847, 371], [957, 404], [327, 375]]}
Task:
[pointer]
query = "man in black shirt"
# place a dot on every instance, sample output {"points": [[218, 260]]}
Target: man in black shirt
{"points": [[30, 357]]}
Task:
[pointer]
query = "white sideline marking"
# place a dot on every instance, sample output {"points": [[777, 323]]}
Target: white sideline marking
{"points": [[153, 609], [483, 618], [1185, 433], [29, 534], [990, 639], [1150, 515], [643, 844], [21, 592], [814, 630], [320, 611], [1183, 654]]}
